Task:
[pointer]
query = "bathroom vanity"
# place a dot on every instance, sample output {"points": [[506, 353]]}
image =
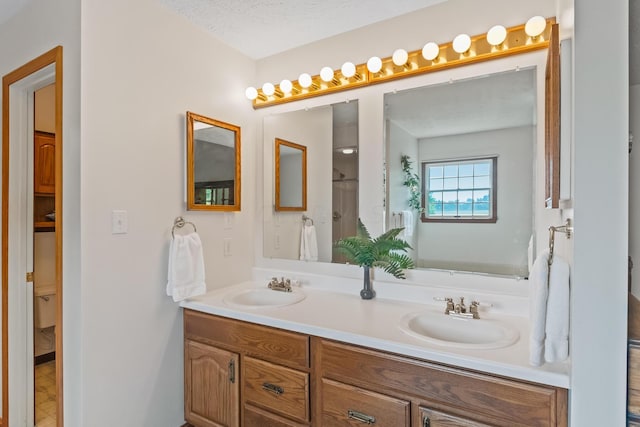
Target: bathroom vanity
{"points": [[279, 366]]}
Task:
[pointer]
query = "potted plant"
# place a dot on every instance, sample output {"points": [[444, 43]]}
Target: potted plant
{"points": [[386, 251]]}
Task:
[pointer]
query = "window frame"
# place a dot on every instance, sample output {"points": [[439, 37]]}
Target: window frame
{"points": [[461, 219]]}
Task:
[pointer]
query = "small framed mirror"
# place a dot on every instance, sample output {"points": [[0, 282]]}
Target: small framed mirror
{"points": [[291, 176], [213, 164]]}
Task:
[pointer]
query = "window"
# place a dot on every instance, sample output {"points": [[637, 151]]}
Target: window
{"points": [[460, 190]]}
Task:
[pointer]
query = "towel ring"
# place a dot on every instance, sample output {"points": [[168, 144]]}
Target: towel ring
{"points": [[179, 222], [567, 229]]}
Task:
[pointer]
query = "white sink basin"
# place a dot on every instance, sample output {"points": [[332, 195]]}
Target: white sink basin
{"points": [[441, 329], [262, 298]]}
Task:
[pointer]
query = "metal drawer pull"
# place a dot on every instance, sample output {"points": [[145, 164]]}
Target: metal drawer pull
{"points": [[426, 422], [359, 416], [232, 371], [275, 389]]}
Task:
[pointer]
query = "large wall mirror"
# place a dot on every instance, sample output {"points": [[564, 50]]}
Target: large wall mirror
{"points": [[329, 135], [471, 144], [213, 164], [291, 176], [481, 127]]}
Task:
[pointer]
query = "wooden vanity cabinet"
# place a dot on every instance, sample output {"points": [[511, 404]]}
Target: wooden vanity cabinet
{"points": [[287, 379], [272, 374], [438, 395]]}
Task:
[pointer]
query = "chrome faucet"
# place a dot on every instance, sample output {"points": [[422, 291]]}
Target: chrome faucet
{"points": [[283, 284], [460, 309]]}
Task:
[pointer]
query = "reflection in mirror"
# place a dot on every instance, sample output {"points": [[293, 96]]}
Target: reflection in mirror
{"points": [[330, 135], [291, 176], [471, 147], [213, 164]]}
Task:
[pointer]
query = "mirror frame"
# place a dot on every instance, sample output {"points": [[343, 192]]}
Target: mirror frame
{"points": [[191, 205], [278, 143]]}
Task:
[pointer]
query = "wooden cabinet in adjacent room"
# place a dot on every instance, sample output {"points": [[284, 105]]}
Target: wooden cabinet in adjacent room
{"points": [[44, 163]]}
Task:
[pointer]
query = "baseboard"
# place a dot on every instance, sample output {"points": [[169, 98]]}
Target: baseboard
{"points": [[43, 358]]}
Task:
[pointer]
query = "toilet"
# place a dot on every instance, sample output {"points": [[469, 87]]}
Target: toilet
{"points": [[45, 306]]}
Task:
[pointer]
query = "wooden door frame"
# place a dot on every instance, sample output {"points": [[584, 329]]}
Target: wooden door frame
{"points": [[54, 56]]}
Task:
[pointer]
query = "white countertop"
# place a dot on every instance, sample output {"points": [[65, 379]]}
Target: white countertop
{"points": [[375, 323]]}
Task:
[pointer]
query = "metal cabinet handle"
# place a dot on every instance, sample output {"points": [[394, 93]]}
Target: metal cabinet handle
{"points": [[272, 388], [359, 416], [426, 422], [232, 371]]}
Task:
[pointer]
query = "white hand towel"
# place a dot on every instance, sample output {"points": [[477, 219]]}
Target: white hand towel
{"points": [[308, 243], [556, 344], [538, 293], [186, 267], [407, 223]]}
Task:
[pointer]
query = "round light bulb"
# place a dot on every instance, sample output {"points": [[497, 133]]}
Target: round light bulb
{"points": [[286, 86], [496, 35], [251, 93], [462, 43], [305, 80], [400, 57], [326, 74], [348, 69], [268, 89], [374, 64], [535, 26], [430, 51]]}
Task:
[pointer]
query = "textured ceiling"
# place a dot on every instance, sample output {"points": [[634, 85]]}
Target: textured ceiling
{"points": [[260, 28], [498, 101]]}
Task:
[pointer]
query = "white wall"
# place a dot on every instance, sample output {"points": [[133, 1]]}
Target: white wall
{"points": [[39, 27], [143, 67], [634, 186], [314, 130], [599, 283], [499, 247]]}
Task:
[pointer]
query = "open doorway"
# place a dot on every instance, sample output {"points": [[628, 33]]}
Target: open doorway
{"points": [[29, 194]]}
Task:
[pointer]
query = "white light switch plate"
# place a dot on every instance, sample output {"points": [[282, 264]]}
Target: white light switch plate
{"points": [[119, 222]]}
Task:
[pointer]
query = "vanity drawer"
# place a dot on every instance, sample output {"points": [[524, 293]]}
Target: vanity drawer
{"points": [[491, 399], [276, 345], [345, 405], [254, 417], [279, 389]]}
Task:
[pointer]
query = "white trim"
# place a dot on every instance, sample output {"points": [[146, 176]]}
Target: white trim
{"points": [[20, 240]]}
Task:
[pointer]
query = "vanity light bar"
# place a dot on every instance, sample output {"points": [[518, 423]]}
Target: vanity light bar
{"points": [[517, 41]]}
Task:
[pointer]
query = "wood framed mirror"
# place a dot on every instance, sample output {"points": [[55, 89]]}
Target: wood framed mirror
{"points": [[291, 176], [213, 164]]}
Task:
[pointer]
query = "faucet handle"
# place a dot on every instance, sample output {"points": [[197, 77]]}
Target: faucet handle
{"points": [[449, 301]]}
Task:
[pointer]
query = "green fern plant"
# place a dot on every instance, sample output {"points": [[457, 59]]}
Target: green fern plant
{"points": [[412, 182], [385, 251]]}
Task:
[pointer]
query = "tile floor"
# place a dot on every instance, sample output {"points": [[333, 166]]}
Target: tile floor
{"points": [[45, 394]]}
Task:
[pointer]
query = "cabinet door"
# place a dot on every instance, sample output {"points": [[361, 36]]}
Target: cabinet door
{"points": [[346, 405], [433, 418], [211, 386], [44, 161]]}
